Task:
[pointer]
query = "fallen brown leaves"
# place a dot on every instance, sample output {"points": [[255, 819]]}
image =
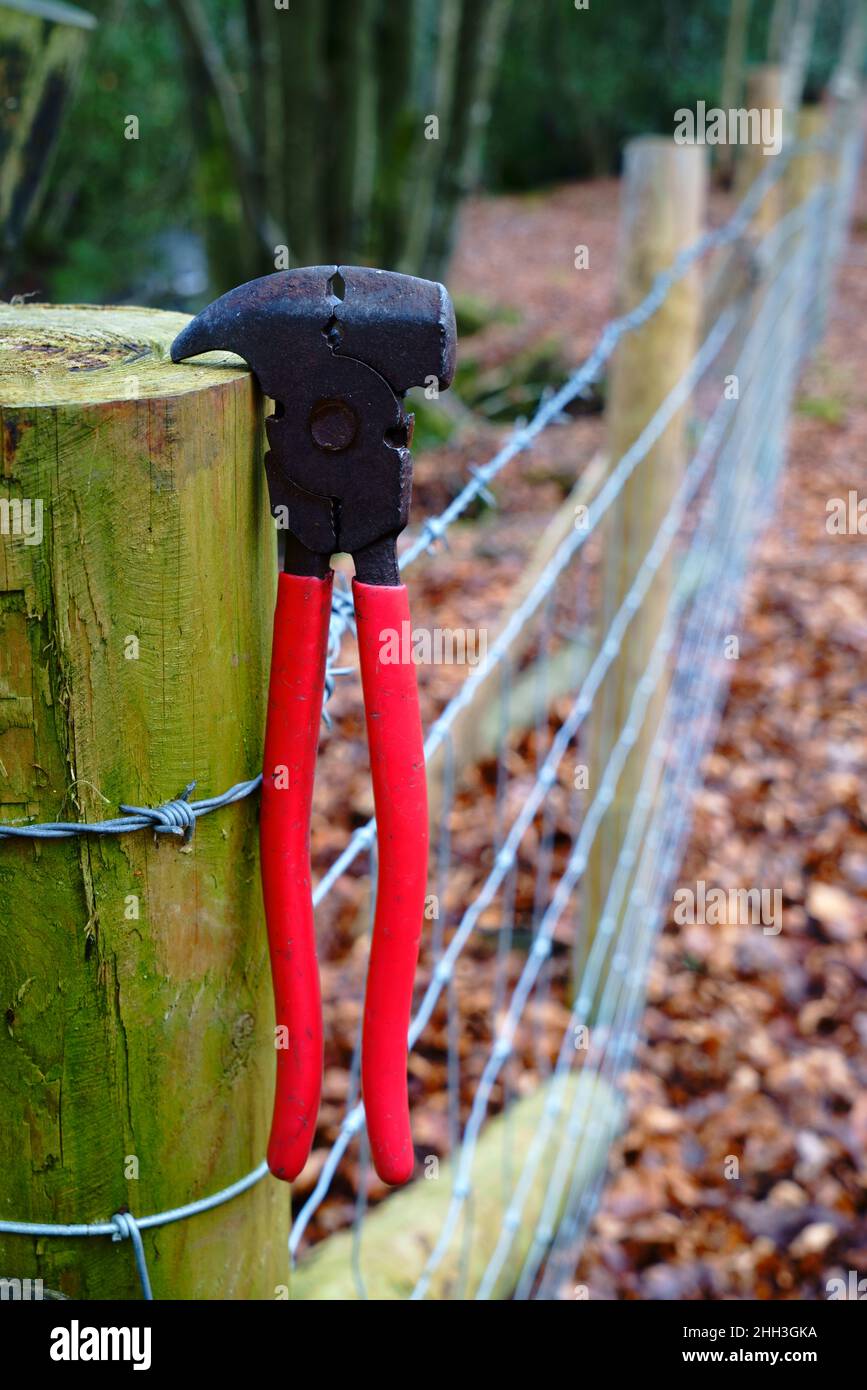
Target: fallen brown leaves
{"points": [[743, 1171]]}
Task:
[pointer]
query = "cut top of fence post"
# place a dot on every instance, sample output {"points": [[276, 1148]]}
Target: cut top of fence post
{"points": [[137, 571]]}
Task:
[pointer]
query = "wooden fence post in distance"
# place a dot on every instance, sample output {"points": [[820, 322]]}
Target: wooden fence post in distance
{"points": [[764, 92], [136, 1053], [805, 169], [662, 212]]}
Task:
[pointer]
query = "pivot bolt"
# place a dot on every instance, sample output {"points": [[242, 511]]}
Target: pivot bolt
{"points": [[333, 425]]}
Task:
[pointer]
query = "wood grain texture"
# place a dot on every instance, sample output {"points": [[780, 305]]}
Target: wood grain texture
{"points": [[133, 1037], [662, 213]]}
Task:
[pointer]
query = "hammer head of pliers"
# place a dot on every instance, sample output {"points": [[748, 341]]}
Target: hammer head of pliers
{"points": [[336, 348]]}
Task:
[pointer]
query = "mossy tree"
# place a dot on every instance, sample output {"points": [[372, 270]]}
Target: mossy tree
{"points": [[340, 133]]}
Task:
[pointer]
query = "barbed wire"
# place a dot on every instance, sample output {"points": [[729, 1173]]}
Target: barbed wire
{"points": [[610, 648], [664, 843], [177, 817], [124, 1226], [623, 985], [645, 690]]}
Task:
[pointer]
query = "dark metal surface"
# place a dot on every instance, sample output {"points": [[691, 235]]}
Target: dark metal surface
{"points": [[336, 347]]}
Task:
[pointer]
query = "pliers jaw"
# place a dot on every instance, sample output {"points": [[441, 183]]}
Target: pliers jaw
{"points": [[337, 349]]}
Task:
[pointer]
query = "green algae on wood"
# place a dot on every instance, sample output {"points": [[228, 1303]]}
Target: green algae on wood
{"points": [[580, 1113], [136, 1049]]}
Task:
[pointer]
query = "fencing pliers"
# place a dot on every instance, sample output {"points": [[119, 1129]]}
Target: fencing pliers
{"points": [[337, 348]]}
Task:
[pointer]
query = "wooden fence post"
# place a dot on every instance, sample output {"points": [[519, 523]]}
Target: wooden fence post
{"points": [[732, 76], [804, 171], [663, 206], [137, 572], [764, 92], [845, 116]]}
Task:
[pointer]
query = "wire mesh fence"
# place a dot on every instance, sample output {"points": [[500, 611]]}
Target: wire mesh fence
{"points": [[531, 984], [564, 987]]}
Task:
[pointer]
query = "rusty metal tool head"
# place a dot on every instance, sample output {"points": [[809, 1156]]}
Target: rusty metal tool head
{"points": [[337, 348]]}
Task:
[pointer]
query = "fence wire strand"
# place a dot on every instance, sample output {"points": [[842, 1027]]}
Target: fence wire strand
{"points": [[610, 648], [746, 439], [708, 531]]}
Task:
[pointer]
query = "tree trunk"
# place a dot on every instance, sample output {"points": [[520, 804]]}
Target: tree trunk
{"points": [[779, 28], [352, 157], [297, 157], [228, 175], [732, 76], [482, 30], [136, 1057], [425, 175], [327, 151], [41, 49], [396, 125]]}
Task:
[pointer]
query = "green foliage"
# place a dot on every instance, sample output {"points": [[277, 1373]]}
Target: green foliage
{"points": [[575, 84], [572, 85], [473, 314], [434, 423], [109, 197], [829, 409], [515, 388]]}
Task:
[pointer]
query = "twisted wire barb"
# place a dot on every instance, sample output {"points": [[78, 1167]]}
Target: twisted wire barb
{"points": [[609, 650], [552, 407], [178, 816]]}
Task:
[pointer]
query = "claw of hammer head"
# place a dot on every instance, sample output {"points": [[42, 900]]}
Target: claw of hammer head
{"points": [[336, 347], [401, 327]]}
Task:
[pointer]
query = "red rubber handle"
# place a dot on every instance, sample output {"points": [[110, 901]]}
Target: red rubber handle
{"points": [[400, 796], [291, 743]]}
